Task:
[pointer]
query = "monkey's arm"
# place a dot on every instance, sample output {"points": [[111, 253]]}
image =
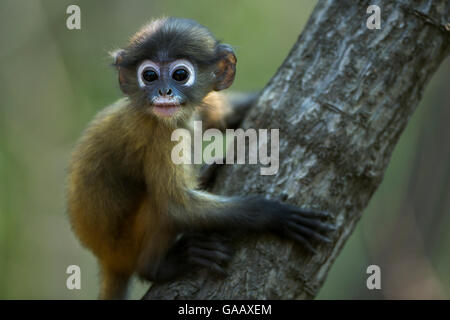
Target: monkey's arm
{"points": [[210, 221], [252, 214], [223, 111], [241, 103]]}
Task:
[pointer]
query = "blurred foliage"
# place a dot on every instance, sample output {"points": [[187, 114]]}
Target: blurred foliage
{"points": [[54, 80]]}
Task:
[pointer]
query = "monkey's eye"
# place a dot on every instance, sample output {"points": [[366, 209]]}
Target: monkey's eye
{"points": [[147, 72], [183, 72], [180, 75], [149, 75]]}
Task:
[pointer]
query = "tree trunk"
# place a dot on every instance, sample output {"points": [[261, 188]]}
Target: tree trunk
{"points": [[341, 99]]}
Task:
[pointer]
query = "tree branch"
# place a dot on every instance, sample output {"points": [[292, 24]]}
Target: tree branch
{"points": [[341, 99]]}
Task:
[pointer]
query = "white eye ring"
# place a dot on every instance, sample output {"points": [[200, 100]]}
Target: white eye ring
{"points": [[146, 64], [183, 63]]}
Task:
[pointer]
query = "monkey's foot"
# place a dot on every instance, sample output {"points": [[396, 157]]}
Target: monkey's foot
{"points": [[212, 252], [190, 252]]}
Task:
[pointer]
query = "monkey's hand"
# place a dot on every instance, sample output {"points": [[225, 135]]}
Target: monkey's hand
{"points": [[208, 174], [302, 226]]}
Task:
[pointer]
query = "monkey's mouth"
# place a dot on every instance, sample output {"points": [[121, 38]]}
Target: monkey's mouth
{"points": [[166, 109]]}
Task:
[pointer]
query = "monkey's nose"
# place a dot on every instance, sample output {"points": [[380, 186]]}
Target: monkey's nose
{"points": [[165, 92]]}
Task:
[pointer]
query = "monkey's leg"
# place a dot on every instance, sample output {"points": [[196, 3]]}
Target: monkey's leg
{"points": [[114, 284], [192, 251]]}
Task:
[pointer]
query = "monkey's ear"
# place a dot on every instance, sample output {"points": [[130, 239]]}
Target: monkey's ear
{"points": [[118, 56], [226, 67]]}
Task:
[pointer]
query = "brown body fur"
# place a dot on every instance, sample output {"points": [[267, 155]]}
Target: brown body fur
{"points": [[133, 229]]}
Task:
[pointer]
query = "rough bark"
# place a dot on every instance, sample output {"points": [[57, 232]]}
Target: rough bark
{"points": [[341, 99]]}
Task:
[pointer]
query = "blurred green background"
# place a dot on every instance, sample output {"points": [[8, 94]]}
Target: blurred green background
{"points": [[53, 80]]}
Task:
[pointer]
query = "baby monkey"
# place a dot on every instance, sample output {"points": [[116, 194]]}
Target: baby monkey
{"points": [[136, 210]]}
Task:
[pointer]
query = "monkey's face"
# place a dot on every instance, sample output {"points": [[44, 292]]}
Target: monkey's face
{"points": [[170, 88], [171, 65]]}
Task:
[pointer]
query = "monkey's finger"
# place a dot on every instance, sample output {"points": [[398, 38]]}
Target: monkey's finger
{"points": [[312, 214], [215, 237], [209, 265], [213, 255], [222, 251], [308, 232], [301, 241], [218, 247], [314, 223]]}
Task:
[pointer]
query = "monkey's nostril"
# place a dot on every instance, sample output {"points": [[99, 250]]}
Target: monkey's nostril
{"points": [[165, 92]]}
